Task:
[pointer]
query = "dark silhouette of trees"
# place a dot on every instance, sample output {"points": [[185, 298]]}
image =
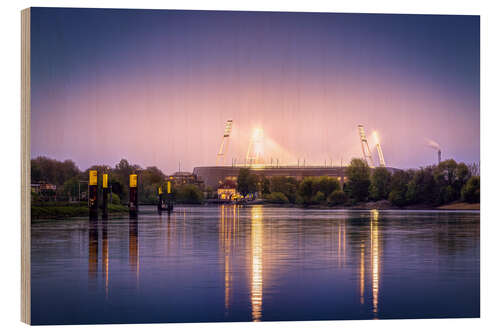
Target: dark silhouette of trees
{"points": [[337, 197], [247, 182], [189, 194], [470, 192], [306, 190], [399, 187], [380, 184], [325, 185], [277, 197], [264, 185], [48, 170], [358, 174], [286, 185], [435, 185], [422, 188], [450, 177]]}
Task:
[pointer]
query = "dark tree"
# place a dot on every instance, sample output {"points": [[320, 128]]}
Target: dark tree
{"points": [[471, 190], [422, 188], [358, 174], [450, 177], [399, 187], [264, 185], [380, 184], [306, 190], [44, 169], [337, 197], [247, 182], [326, 185], [286, 185], [189, 194]]}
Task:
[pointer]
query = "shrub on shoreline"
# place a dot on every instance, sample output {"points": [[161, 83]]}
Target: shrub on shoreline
{"points": [[277, 197], [337, 197]]}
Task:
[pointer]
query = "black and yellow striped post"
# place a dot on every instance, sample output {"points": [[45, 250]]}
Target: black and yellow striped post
{"points": [[170, 203], [92, 195], [133, 205], [105, 196], [160, 199]]}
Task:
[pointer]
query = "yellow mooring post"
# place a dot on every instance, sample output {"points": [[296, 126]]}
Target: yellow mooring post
{"points": [[92, 195], [160, 199], [133, 206], [170, 203], [105, 196]]}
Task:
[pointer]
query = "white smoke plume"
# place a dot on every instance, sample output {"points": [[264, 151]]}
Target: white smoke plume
{"points": [[433, 144]]}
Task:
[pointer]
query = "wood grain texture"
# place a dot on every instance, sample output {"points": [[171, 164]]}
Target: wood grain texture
{"points": [[25, 168]]}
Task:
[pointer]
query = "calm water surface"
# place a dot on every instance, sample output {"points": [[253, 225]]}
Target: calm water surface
{"points": [[257, 263]]}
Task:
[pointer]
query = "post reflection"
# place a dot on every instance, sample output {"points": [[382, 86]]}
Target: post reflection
{"points": [[228, 235], [105, 256], [362, 273], [256, 263], [133, 248], [341, 243], [93, 249], [375, 258], [93, 256], [171, 229]]}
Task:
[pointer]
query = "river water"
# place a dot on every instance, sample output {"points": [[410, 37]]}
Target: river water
{"points": [[231, 263]]}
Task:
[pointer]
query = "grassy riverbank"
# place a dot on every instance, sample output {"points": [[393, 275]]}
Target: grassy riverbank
{"points": [[64, 211]]}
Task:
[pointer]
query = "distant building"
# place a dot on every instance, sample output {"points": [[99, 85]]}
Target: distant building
{"points": [[227, 190], [43, 187], [214, 176], [182, 178], [44, 191]]}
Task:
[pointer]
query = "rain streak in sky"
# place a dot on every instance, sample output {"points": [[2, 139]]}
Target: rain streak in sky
{"points": [[156, 86]]}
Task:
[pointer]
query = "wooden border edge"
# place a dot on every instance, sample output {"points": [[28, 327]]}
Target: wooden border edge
{"points": [[25, 166]]}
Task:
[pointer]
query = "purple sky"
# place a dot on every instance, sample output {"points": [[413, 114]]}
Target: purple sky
{"points": [[156, 87]]}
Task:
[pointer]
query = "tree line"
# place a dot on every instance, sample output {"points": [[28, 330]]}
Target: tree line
{"points": [[71, 181], [435, 185]]}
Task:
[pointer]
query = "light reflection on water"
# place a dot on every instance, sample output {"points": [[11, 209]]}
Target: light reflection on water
{"points": [[375, 257], [232, 263], [256, 286]]}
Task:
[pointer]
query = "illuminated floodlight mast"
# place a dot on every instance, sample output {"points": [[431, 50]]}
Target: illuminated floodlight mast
{"points": [[225, 142], [255, 147], [367, 155], [379, 150]]}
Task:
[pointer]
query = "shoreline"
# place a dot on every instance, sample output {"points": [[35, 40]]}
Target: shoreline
{"points": [[461, 206], [371, 206], [378, 205], [39, 213]]}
